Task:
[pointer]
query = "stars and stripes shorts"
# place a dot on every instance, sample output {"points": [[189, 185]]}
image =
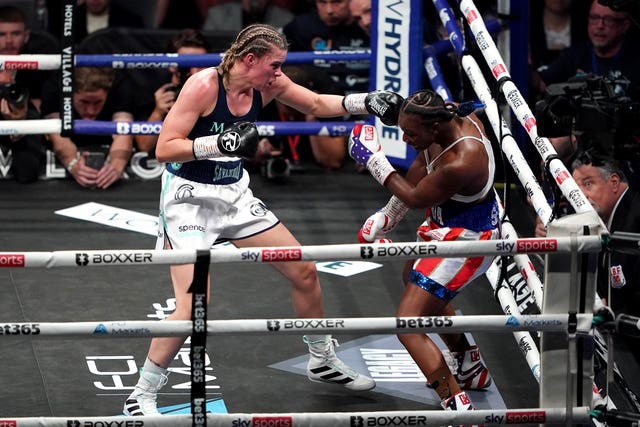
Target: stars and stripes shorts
{"points": [[445, 277]]}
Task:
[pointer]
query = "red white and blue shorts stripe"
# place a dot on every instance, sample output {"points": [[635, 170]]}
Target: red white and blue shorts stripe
{"points": [[445, 277]]}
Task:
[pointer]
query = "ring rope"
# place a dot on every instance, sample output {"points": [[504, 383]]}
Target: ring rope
{"points": [[579, 415], [556, 167], [568, 414], [521, 167], [519, 106], [295, 326], [104, 127], [352, 251], [166, 60], [509, 305]]}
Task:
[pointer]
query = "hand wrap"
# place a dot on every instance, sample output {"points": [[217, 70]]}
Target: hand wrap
{"points": [[365, 149], [240, 140], [376, 227]]}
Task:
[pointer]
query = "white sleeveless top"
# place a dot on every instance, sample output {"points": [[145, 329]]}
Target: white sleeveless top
{"points": [[492, 165]]}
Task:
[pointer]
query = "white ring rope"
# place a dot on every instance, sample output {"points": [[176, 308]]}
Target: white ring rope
{"points": [[30, 127], [374, 251], [579, 415], [525, 341], [520, 108], [512, 322], [297, 326]]}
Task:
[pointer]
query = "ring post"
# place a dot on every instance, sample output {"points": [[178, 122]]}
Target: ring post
{"points": [[557, 347]]}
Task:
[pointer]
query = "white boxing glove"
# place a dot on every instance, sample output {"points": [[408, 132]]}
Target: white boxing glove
{"points": [[365, 149], [376, 227]]}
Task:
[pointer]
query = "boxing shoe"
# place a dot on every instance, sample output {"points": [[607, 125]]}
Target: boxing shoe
{"points": [[142, 401], [467, 369], [471, 374], [459, 402], [324, 366]]}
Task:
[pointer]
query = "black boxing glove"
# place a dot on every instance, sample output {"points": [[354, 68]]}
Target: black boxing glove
{"points": [[239, 140], [384, 104]]}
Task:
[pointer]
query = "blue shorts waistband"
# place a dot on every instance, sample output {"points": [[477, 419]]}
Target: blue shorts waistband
{"points": [[208, 171], [481, 217]]}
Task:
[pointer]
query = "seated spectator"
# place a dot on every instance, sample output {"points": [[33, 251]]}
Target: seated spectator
{"points": [[609, 52], [556, 25], [94, 15], [361, 12], [233, 16], [14, 40], [186, 42], [94, 161], [326, 151], [330, 26], [25, 151]]}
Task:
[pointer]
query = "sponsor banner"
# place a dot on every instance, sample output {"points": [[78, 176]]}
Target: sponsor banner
{"points": [[396, 32], [113, 217], [12, 260]]}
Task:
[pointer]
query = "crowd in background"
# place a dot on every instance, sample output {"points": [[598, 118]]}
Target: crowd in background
{"points": [[115, 26], [568, 40]]}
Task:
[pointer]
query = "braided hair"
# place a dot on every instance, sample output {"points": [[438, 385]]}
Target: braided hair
{"points": [[258, 39], [430, 107]]}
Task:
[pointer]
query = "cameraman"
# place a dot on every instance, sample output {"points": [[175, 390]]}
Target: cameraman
{"points": [[186, 42], [26, 151], [609, 52]]}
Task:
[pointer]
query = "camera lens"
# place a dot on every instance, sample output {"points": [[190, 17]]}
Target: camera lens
{"points": [[276, 169], [14, 94]]}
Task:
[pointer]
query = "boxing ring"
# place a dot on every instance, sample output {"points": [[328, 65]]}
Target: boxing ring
{"points": [[124, 329], [572, 321]]}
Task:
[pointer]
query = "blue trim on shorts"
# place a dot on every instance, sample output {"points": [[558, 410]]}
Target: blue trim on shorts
{"points": [[208, 171], [480, 217], [431, 286]]}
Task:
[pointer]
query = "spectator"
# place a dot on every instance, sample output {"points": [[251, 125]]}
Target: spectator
{"points": [[608, 52], [606, 187], [326, 151], [555, 25], [94, 15], [361, 12], [14, 37], [186, 42], [330, 26], [233, 16], [97, 96], [26, 151]]}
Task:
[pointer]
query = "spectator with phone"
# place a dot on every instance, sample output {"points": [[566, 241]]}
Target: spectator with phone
{"points": [[97, 95], [25, 151], [186, 42]]}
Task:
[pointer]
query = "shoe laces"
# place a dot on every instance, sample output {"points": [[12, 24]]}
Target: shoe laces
{"points": [[153, 387], [148, 403]]}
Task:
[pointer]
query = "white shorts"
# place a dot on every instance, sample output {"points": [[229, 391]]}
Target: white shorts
{"points": [[195, 215]]}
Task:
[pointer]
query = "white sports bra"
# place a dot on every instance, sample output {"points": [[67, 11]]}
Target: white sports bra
{"points": [[492, 165]]}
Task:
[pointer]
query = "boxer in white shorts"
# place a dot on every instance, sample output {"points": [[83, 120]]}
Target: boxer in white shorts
{"points": [[206, 196], [237, 213]]}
